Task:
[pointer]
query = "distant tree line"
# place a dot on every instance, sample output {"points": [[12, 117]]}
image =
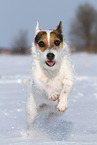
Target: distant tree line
{"points": [[20, 43], [83, 29]]}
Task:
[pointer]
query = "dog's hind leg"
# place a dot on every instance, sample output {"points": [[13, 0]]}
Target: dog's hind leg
{"points": [[31, 111]]}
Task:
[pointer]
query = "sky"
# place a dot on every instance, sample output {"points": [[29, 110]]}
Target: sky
{"points": [[17, 15]]}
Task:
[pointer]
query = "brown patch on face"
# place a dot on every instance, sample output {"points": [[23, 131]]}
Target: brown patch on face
{"points": [[56, 40], [56, 37], [41, 40]]}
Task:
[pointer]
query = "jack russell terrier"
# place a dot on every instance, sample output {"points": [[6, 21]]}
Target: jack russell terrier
{"points": [[52, 74]]}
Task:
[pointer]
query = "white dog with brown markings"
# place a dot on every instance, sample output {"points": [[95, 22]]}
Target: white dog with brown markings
{"points": [[52, 74]]}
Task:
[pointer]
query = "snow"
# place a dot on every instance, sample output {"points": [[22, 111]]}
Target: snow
{"points": [[78, 126]]}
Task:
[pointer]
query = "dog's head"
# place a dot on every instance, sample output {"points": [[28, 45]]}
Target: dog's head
{"points": [[48, 46]]}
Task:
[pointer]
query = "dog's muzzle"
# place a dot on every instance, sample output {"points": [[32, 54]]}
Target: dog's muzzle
{"points": [[50, 57]]}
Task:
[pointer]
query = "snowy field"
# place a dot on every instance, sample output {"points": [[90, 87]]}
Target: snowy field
{"points": [[78, 126]]}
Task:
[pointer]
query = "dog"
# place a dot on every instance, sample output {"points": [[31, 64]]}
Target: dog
{"points": [[52, 74]]}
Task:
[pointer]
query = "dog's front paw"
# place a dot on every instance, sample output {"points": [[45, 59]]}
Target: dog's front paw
{"points": [[62, 106], [54, 97]]}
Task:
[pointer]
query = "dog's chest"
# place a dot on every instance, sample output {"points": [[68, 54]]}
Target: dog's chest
{"points": [[46, 83], [55, 84]]}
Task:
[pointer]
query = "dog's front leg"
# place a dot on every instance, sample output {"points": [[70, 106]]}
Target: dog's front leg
{"points": [[62, 105], [53, 95]]}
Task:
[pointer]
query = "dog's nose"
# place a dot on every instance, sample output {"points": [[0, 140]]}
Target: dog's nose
{"points": [[50, 56]]}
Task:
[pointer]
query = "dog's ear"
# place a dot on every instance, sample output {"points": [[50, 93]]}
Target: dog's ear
{"points": [[37, 29], [59, 27]]}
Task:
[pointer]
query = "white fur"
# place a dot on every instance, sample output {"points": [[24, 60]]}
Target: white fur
{"points": [[37, 28], [47, 82], [48, 36]]}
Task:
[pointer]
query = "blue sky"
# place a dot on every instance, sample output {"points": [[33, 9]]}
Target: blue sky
{"points": [[16, 15]]}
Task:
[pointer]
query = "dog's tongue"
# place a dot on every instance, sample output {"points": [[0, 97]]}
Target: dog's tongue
{"points": [[50, 63]]}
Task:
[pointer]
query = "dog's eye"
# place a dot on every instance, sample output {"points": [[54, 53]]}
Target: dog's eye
{"points": [[57, 42], [41, 44]]}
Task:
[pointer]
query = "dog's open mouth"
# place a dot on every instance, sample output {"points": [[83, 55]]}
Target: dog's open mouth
{"points": [[50, 63]]}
